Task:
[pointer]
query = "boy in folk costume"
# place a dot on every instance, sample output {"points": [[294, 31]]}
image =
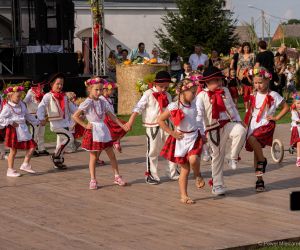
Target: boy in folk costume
{"points": [[222, 122], [59, 110], [32, 100], [261, 119], [151, 105]]}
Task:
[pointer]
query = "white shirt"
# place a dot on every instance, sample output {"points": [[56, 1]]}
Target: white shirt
{"points": [[271, 111], [94, 110], [66, 122], [192, 119], [196, 59], [31, 102], [109, 103]]}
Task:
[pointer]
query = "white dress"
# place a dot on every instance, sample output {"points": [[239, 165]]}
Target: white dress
{"points": [[271, 111], [19, 114], [94, 111], [190, 126]]}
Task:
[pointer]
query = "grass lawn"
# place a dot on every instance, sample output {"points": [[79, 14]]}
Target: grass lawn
{"points": [[138, 129]]}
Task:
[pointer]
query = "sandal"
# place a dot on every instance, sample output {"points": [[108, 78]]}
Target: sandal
{"points": [[261, 168], [187, 200], [200, 183], [260, 186]]}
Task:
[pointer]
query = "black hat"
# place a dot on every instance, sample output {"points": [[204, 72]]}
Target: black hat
{"points": [[53, 77], [212, 73], [162, 77]]}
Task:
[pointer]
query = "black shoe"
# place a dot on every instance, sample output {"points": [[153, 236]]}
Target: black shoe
{"points": [[58, 162], [150, 180], [43, 152], [35, 154]]}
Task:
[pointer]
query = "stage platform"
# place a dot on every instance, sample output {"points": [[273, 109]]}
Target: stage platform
{"points": [[56, 210]]}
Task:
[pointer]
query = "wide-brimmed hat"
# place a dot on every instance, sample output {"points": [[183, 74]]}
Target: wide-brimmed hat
{"points": [[162, 77], [212, 73]]}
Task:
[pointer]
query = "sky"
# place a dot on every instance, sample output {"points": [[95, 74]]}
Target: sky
{"points": [[281, 9]]}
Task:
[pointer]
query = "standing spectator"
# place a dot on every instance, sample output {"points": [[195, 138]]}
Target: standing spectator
{"points": [[80, 62], [155, 55], [290, 76], [245, 64], [235, 58], [214, 59], [119, 52], [138, 52], [280, 66], [265, 58], [198, 58], [124, 55], [111, 64], [175, 66]]}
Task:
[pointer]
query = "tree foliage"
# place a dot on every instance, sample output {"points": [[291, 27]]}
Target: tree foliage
{"points": [[204, 22]]}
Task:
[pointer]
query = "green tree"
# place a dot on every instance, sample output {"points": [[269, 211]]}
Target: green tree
{"points": [[292, 21], [204, 22]]}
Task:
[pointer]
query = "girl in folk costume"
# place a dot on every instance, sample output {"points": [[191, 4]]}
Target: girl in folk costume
{"points": [[261, 121], [97, 137], [151, 105], [56, 106], [184, 144], [295, 135], [222, 122], [14, 116], [32, 99], [2, 132], [116, 131]]}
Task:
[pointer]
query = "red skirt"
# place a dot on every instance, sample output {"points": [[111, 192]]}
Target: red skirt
{"points": [[294, 137], [11, 140], [168, 150], [264, 135], [116, 131], [247, 90], [90, 145], [79, 130], [234, 92], [2, 135]]}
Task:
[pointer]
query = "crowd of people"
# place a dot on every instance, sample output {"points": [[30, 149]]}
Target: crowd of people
{"points": [[201, 120]]}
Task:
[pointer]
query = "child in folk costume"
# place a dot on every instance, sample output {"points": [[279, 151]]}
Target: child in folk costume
{"points": [[295, 135], [56, 106], [184, 144], [2, 133], [97, 137], [261, 121], [75, 128], [32, 99], [232, 85], [151, 105], [14, 116], [116, 131], [222, 122]]}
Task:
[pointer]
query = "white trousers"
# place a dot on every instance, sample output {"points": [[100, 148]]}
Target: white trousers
{"points": [[64, 138], [237, 133], [156, 138], [38, 134]]}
